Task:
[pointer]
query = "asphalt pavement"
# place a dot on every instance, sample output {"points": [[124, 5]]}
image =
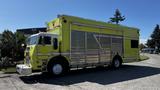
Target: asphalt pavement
{"points": [[144, 75]]}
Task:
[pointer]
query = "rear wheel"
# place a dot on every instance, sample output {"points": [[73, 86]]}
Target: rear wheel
{"points": [[117, 62]]}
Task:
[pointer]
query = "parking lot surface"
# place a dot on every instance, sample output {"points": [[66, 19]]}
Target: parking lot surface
{"points": [[144, 75]]}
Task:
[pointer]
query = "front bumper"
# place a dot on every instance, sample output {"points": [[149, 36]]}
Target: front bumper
{"points": [[23, 69]]}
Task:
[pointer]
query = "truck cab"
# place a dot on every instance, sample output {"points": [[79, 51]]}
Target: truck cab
{"points": [[39, 47]]}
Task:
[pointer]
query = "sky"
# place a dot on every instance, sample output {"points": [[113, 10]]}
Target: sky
{"points": [[18, 14]]}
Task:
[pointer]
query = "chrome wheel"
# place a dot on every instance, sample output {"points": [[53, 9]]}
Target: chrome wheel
{"points": [[116, 63], [57, 69]]}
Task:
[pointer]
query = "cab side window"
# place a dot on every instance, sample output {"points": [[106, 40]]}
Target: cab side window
{"points": [[44, 40], [55, 43], [47, 39]]}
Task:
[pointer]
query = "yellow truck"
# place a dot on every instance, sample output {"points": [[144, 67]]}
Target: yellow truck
{"points": [[73, 42]]}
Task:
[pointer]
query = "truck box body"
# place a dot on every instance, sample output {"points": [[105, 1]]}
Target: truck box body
{"points": [[93, 42]]}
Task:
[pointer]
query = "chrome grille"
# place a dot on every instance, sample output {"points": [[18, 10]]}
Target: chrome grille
{"points": [[27, 58]]}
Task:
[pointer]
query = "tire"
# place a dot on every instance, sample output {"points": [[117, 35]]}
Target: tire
{"points": [[117, 62], [57, 68]]}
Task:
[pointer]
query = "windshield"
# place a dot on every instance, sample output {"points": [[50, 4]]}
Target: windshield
{"points": [[32, 40]]}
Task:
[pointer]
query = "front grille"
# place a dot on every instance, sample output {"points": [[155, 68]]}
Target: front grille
{"points": [[28, 48], [27, 57], [27, 60]]}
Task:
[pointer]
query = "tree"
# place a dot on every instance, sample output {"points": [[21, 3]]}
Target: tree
{"points": [[156, 36], [11, 49], [154, 42], [117, 17], [8, 44], [0, 48], [11, 44], [156, 33], [20, 39], [150, 43]]}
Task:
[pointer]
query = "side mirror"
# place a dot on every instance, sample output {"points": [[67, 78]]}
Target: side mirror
{"points": [[55, 43]]}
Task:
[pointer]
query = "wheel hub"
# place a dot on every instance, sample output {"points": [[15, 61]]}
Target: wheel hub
{"points": [[116, 63], [57, 69]]}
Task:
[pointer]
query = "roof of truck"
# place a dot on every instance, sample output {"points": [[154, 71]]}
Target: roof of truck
{"points": [[95, 22]]}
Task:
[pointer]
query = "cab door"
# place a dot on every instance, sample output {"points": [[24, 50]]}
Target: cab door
{"points": [[44, 47]]}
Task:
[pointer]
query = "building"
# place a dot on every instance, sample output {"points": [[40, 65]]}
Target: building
{"points": [[29, 31]]}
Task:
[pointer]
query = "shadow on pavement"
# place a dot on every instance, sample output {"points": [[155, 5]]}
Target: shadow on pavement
{"points": [[96, 75], [5, 76]]}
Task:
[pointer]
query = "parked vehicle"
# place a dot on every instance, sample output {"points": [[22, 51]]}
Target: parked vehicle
{"points": [[148, 50], [73, 42]]}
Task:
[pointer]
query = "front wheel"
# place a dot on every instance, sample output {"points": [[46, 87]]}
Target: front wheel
{"points": [[57, 68]]}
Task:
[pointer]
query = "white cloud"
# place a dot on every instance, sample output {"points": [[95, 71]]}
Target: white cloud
{"points": [[144, 41]]}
